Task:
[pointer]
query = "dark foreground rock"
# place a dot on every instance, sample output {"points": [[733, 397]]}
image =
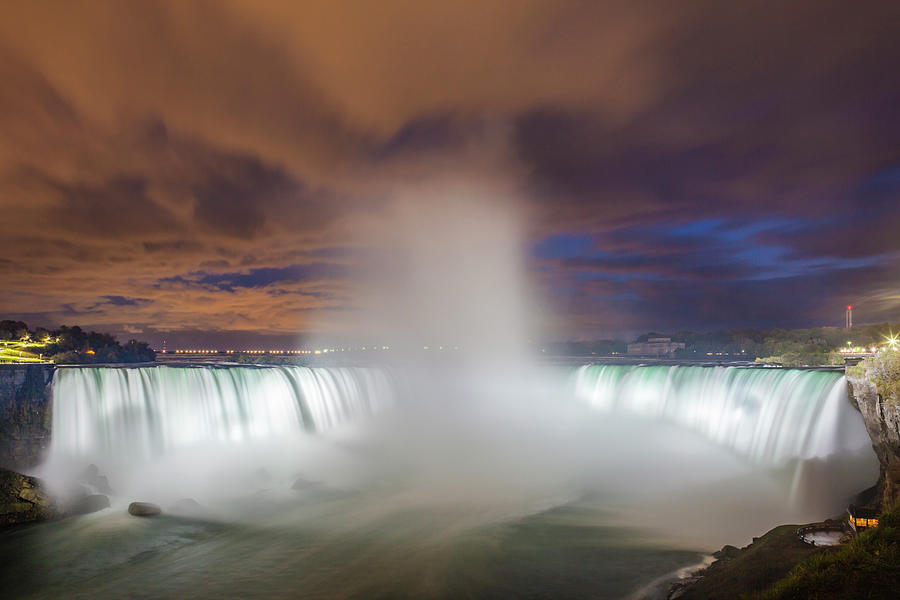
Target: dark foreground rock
{"points": [[24, 500], [88, 504], [143, 509], [748, 570]]}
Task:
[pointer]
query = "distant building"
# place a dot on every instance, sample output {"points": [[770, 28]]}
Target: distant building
{"points": [[655, 347]]}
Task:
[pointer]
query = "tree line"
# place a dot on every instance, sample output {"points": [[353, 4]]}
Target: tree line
{"points": [[790, 347], [73, 345]]}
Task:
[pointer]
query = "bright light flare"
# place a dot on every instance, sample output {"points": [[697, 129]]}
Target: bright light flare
{"points": [[892, 339]]}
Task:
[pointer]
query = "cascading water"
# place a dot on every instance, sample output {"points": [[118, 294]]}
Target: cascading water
{"points": [[473, 480], [145, 412], [766, 415]]}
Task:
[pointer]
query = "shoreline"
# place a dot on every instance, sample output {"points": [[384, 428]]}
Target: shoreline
{"points": [[660, 588], [752, 569]]}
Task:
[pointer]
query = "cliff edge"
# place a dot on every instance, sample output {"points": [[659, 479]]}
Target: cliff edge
{"points": [[873, 390], [25, 414], [23, 499]]}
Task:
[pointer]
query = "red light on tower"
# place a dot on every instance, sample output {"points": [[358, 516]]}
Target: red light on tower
{"points": [[849, 307]]}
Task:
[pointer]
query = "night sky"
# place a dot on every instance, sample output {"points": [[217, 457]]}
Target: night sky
{"points": [[211, 172]]}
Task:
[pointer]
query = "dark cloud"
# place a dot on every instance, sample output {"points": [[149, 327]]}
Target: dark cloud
{"points": [[427, 134], [257, 278], [173, 246], [117, 208], [233, 200], [869, 228], [123, 301]]}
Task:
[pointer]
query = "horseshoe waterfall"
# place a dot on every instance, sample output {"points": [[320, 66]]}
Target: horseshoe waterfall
{"points": [[765, 415], [436, 482], [144, 412]]}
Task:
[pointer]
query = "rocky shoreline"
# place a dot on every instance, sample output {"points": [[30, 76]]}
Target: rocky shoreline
{"points": [[736, 572], [23, 499]]}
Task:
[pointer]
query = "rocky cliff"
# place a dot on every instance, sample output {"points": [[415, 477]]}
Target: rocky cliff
{"points": [[23, 500], [881, 415], [25, 407]]}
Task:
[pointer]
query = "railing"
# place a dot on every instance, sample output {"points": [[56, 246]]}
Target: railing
{"points": [[841, 526]]}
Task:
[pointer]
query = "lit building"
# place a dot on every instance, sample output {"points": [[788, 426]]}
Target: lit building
{"points": [[658, 346], [862, 518]]}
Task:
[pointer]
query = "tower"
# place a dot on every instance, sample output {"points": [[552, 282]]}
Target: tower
{"points": [[849, 316]]}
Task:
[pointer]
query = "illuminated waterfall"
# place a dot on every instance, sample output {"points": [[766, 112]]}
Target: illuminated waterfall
{"points": [[145, 412], [766, 415]]}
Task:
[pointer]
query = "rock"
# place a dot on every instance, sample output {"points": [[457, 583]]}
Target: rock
{"points": [[29, 494], [23, 499], [728, 551], [88, 504], [102, 485], [305, 484], [882, 419], [678, 588], [186, 503], [25, 399], [144, 509], [77, 490], [190, 508], [93, 478]]}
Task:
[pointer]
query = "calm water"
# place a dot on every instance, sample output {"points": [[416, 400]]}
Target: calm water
{"points": [[575, 551]]}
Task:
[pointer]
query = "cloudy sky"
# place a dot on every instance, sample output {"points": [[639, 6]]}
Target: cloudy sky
{"points": [[216, 170]]}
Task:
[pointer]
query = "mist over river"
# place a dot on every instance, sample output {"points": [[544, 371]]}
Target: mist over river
{"points": [[440, 482]]}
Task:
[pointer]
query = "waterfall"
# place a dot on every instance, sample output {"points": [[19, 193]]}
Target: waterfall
{"points": [[148, 411], [766, 415]]}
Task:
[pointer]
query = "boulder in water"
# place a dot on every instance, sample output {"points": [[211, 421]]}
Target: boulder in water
{"points": [[90, 472], [190, 508], [305, 484], [102, 485], [76, 490], [144, 509], [186, 503], [88, 504], [92, 477]]}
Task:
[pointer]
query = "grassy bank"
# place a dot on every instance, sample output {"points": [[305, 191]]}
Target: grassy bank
{"points": [[780, 566], [867, 567], [752, 569]]}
